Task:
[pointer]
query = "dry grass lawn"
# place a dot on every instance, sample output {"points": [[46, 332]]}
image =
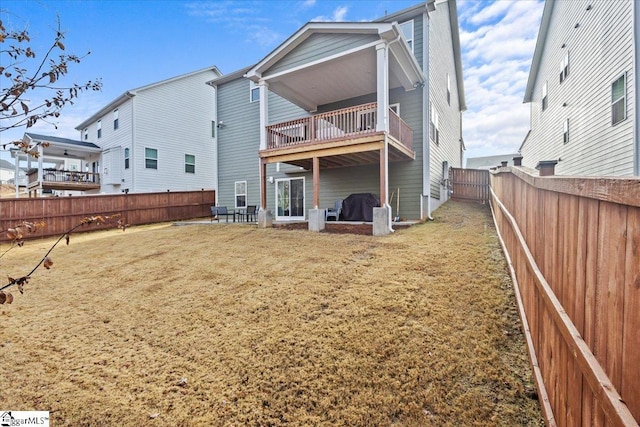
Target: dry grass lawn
{"points": [[230, 325]]}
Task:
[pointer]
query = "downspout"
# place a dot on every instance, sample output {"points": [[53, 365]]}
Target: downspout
{"points": [[133, 145], [215, 143], [636, 53], [426, 111]]}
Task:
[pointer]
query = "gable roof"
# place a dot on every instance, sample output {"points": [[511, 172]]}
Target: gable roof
{"points": [[341, 72], [133, 92], [430, 6], [58, 140], [537, 54]]}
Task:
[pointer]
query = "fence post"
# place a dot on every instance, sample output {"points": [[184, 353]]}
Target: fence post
{"points": [[547, 167]]}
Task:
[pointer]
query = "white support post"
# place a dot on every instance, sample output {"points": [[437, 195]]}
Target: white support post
{"points": [[382, 84], [264, 112], [382, 80]]}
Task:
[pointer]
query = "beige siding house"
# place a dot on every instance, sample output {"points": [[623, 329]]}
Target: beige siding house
{"points": [[158, 137], [582, 89]]}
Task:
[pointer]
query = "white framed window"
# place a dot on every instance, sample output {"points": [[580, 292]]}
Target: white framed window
{"points": [[545, 98], [189, 163], [565, 131], [86, 134], [407, 32], [619, 100], [99, 128], [213, 128], [564, 67], [241, 194], [448, 89], [126, 158], [434, 131], [151, 158], [254, 92], [115, 119]]}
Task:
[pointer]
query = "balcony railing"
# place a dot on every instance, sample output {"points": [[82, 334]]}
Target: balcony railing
{"points": [[347, 123], [64, 176]]}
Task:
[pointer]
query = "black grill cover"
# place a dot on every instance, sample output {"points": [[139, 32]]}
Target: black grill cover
{"points": [[359, 207]]}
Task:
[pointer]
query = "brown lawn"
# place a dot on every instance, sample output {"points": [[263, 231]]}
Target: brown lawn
{"points": [[230, 325]]}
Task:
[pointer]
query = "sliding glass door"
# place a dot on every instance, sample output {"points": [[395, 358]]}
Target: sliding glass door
{"points": [[290, 199]]}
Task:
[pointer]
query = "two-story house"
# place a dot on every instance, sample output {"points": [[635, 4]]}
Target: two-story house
{"points": [[341, 108], [582, 89], [157, 137]]}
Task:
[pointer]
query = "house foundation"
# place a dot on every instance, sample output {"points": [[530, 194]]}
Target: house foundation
{"points": [[316, 219], [381, 221], [265, 218]]}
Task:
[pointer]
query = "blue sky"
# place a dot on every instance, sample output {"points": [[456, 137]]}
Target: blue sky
{"points": [[135, 43]]}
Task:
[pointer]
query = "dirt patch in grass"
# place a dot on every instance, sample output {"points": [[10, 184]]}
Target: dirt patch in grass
{"points": [[231, 325]]}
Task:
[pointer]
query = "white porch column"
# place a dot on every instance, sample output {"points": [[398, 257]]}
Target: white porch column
{"points": [[40, 172], [16, 179], [382, 82], [264, 112], [382, 124]]}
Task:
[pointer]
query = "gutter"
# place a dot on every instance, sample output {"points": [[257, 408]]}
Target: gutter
{"points": [[636, 63]]}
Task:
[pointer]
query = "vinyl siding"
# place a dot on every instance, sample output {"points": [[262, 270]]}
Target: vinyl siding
{"points": [[320, 46], [441, 60], [175, 118], [239, 140], [600, 50], [112, 141]]}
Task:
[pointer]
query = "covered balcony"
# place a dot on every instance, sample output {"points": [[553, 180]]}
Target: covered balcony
{"points": [[330, 70], [53, 179], [340, 138], [61, 164]]}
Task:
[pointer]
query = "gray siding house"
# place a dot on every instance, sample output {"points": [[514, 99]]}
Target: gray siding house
{"points": [[342, 108], [582, 89]]}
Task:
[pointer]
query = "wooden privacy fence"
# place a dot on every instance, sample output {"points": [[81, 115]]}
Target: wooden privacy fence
{"points": [[469, 184], [62, 213], [573, 246]]}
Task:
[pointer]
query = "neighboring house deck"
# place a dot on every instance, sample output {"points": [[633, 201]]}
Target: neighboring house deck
{"points": [[63, 166]]}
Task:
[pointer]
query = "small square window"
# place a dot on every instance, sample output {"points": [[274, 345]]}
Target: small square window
{"points": [[434, 132], [564, 67], [254, 92], [619, 100], [189, 163], [241, 194], [407, 31], [151, 158]]}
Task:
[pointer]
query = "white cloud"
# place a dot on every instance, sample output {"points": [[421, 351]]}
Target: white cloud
{"points": [[308, 3], [338, 14], [497, 41]]}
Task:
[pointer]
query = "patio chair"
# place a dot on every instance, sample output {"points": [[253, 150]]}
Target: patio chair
{"points": [[251, 213], [334, 212], [218, 211]]}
